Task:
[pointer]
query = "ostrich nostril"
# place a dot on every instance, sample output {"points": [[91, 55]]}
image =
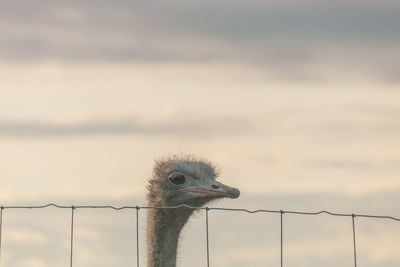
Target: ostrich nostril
{"points": [[215, 186]]}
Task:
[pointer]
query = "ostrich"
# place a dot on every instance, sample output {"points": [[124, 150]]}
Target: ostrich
{"points": [[175, 181]]}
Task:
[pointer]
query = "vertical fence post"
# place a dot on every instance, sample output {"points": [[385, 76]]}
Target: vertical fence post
{"points": [[72, 235], [282, 212], [1, 228], [354, 239], [137, 236], [208, 247]]}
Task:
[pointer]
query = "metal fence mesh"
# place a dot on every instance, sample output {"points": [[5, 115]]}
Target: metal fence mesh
{"points": [[207, 209]]}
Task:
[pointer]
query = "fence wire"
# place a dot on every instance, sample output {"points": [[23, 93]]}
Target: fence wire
{"points": [[72, 235], [207, 209], [354, 240]]}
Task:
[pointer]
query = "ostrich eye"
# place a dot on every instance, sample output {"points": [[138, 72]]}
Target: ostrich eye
{"points": [[178, 179]]}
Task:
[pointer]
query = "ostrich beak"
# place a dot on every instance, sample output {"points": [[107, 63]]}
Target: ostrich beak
{"points": [[214, 189]]}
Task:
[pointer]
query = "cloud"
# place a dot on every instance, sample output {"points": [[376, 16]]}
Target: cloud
{"points": [[360, 165], [336, 250], [25, 236], [298, 250], [286, 38], [183, 126], [32, 262]]}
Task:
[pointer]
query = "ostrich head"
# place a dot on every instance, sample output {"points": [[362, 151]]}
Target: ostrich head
{"points": [[186, 180], [176, 181]]}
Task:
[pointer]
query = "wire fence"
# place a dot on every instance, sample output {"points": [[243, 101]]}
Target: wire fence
{"points": [[207, 209]]}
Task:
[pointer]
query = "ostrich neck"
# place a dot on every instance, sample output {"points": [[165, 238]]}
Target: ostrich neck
{"points": [[163, 229]]}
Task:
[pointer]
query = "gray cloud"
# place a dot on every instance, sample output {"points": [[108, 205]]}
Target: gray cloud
{"points": [[280, 37], [359, 165], [183, 127]]}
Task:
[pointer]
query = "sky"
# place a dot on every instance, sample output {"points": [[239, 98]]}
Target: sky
{"points": [[297, 102]]}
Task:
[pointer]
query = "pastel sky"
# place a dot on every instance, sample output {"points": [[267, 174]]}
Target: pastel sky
{"points": [[297, 102]]}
